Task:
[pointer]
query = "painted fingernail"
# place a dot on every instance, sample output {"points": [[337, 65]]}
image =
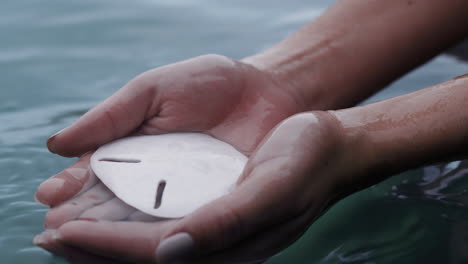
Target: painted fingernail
{"points": [[52, 185], [55, 235], [175, 248], [48, 190], [39, 202], [77, 173], [38, 240], [51, 141]]}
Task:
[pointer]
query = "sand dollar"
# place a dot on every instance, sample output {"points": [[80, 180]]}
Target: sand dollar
{"points": [[168, 175]]}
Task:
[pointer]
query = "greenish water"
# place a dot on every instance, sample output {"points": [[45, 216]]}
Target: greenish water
{"points": [[58, 58]]}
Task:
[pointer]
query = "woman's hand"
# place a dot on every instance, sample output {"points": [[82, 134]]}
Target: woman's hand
{"points": [[304, 165], [227, 99], [288, 182], [230, 100]]}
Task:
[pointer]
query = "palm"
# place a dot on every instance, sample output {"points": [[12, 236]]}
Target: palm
{"points": [[231, 101]]}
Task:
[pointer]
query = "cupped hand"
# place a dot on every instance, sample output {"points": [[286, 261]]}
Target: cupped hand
{"points": [[290, 179], [227, 99], [230, 100]]}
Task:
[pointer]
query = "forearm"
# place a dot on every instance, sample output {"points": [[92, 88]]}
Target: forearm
{"points": [[408, 131], [359, 46]]}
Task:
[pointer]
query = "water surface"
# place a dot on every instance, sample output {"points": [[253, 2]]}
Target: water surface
{"points": [[59, 58]]}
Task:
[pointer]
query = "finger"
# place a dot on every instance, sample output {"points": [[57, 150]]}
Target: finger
{"points": [[47, 241], [114, 238], [129, 241], [259, 247], [114, 118], [275, 189], [67, 183], [73, 208], [112, 210], [252, 208]]}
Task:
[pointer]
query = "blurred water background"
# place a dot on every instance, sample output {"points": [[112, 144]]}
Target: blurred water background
{"points": [[59, 58]]}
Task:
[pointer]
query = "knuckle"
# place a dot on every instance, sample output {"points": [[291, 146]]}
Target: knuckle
{"points": [[218, 61], [215, 57], [306, 119], [143, 81]]}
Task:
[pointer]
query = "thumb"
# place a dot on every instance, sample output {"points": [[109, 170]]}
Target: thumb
{"points": [[275, 189], [255, 205], [116, 117]]}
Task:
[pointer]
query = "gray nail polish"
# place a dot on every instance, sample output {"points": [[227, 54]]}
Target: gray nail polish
{"points": [[39, 202], [175, 248], [38, 240], [51, 141], [54, 184], [60, 131], [55, 235], [77, 173]]}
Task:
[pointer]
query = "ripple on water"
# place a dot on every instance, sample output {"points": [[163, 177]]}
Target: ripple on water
{"points": [[32, 126], [376, 226], [375, 243], [444, 184], [23, 167]]}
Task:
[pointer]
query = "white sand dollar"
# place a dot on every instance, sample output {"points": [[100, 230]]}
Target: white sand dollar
{"points": [[168, 175]]}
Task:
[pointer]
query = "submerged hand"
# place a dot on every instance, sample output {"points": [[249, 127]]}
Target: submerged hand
{"points": [[288, 182]]}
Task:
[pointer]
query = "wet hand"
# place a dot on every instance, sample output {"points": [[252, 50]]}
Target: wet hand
{"points": [[230, 100], [288, 182], [227, 99], [94, 202]]}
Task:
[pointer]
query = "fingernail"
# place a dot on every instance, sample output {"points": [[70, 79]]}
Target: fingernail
{"points": [[52, 185], [48, 190], [51, 141], [77, 173], [174, 248], [39, 202], [38, 240], [55, 235]]}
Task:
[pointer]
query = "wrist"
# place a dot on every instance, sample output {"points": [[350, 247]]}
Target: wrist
{"points": [[320, 64], [408, 131], [371, 153], [356, 48], [354, 161], [343, 153], [302, 70]]}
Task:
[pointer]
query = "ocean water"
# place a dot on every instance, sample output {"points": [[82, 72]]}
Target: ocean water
{"points": [[59, 58]]}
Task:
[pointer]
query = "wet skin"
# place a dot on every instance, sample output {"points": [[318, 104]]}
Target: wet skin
{"points": [[229, 100]]}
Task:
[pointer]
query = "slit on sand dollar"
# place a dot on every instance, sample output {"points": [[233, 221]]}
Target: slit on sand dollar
{"points": [[168, 175]]}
